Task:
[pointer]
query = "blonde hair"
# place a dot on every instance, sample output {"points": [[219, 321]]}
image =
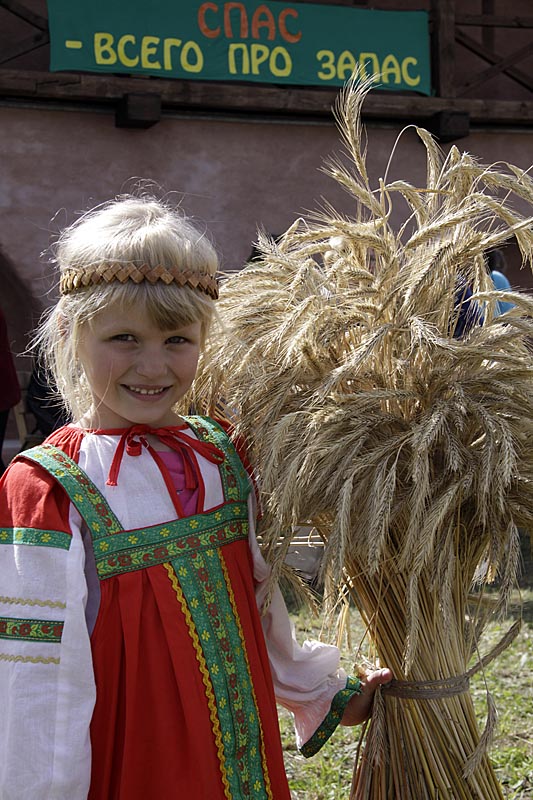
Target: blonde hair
{"points": [[128, 230]]}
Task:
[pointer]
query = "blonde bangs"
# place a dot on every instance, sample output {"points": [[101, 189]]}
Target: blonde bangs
{"points": [[168, 307]]}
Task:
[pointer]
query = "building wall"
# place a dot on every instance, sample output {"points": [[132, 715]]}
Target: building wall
{"points": [[232, 175]]}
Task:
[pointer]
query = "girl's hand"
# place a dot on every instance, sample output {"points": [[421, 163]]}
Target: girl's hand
{"points": [[359, 706]]}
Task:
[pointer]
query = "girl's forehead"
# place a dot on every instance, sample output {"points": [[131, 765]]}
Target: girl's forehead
{"points": [[118, 312]]}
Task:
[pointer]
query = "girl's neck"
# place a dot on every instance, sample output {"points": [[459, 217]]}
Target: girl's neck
{"points": [[93, 421], [94, 425]]}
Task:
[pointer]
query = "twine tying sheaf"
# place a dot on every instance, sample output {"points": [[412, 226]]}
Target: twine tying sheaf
{"points": [[436, 690], [421, 690]]}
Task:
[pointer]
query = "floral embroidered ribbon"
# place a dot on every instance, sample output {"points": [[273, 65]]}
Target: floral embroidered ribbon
{"points": [[134, 439]]}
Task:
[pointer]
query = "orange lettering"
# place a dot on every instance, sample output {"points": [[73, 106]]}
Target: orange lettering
{"points": [[268, 22], [211, 33], [289, 37], [228, 30]]}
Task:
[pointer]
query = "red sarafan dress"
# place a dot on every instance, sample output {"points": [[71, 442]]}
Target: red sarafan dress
{"points": [[143, 660]]}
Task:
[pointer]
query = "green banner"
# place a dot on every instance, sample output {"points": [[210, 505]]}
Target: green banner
{"points": [[299, 43]]}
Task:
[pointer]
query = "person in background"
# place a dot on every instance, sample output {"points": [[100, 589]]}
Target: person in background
{"points": [[9, 385], [44, 403], [497, 267]]}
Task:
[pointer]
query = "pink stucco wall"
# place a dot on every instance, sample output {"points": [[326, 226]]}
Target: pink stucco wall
{"points": [[232, 175]]}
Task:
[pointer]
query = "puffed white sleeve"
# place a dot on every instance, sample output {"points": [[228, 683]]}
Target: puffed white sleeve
{"points": [[308, 679], [47, 690]]}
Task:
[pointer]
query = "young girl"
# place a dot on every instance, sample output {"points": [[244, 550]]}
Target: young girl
{"points": [[135, 660]]}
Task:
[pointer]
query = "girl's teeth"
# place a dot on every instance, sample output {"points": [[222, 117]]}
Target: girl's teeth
{"points": [[145, 391]]}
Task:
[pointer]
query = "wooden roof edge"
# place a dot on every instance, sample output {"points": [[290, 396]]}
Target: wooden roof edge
{"points": [[220, 97]]}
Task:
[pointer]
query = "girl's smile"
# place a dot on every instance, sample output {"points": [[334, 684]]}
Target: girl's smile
{"points": [[136, 371], [149, 392]]}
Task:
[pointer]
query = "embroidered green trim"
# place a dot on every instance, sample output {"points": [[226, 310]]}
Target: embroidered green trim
{"points": [[331, 722], [35, 536], [235, 479], [257, 787], [31, 630], [203, 582], [118, 551], [133, 550], [192, 529], [89, 501]]}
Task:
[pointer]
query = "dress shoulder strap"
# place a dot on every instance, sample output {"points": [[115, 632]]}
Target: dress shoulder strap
{"points": [[235, 479], [83, 493]]}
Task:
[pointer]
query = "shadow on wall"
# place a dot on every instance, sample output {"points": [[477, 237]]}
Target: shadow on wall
{"points": [[21, 311], [21, 308]]}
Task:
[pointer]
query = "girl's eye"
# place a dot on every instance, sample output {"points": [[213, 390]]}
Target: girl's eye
{"points": [[123, 337], [176, 340]]}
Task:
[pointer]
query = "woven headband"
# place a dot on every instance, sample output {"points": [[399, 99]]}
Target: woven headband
{"points": [[72, 279]]}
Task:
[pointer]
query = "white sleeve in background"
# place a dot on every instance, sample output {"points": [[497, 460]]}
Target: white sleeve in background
{"points": [[306, 678]]}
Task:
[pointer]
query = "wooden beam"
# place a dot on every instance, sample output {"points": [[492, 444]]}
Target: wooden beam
{"points": [[487, 55], [20, 11], [422, 109], [217, 97], [443, 46], [487, 32], [24, 46], [496, 68], [493, 21]]}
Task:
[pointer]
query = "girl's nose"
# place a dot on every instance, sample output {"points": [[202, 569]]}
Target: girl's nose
{"points": [[151, 363]]}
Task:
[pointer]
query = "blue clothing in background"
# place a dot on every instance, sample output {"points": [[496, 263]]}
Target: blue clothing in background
{"points": [[470, 314], [502, 284]]}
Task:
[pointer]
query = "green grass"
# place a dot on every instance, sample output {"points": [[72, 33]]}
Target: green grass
{"points": [[327, 776], [509, 679]]}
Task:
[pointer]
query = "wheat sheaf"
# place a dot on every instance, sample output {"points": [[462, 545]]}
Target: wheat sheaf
{"points": [[387, 403]]}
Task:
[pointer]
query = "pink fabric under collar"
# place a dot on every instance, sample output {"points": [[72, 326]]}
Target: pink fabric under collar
{"points": [[134, 439]]}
